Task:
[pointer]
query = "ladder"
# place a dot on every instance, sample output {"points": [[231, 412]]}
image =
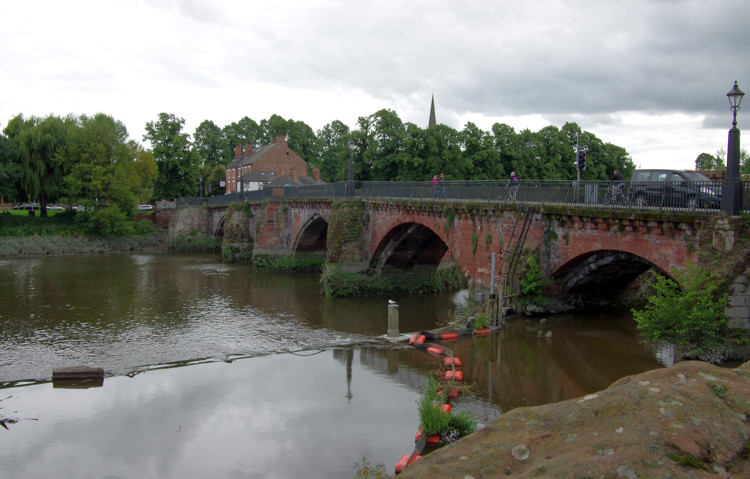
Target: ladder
{"points": [[512, 255]]}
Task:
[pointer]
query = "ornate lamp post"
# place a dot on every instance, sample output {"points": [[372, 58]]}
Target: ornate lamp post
{"points": [[731, 192], [350, 182]]}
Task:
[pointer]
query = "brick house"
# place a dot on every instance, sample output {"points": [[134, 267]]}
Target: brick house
{"points": [[257, 167]]}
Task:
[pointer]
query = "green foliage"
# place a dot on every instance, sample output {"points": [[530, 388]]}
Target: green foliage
{"points": [[286, 264], [482, 321], [434, 421], [199, 244], [689, 311], [341, 284], [719, 389], [474, 243], [365, 470], [110, 221], [686, 460], [533, 283], [176, 162]]}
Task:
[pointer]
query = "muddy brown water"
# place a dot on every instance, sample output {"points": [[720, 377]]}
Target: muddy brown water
{"points": [[214, 370]]}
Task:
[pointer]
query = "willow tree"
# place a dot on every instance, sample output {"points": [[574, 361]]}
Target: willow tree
{"points": [[42, 143]]}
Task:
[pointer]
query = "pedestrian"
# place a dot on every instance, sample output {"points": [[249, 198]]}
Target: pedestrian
{"points": [[512, 186], [441, 186], [434, 183]]}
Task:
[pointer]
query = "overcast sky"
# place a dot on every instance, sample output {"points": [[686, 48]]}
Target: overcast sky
{"points": [[648, 75]]}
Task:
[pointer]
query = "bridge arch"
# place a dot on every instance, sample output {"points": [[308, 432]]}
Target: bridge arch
{"points": [[601, 274], [408, 247], [312, 237], [219, 230]]}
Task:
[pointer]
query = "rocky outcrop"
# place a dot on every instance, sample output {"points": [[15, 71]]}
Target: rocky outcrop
{"points": [[688, 421]]}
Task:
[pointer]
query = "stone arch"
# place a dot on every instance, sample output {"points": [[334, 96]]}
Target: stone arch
{"points": [[312, 237], [600, 275], [408, 247], [219, 231]]}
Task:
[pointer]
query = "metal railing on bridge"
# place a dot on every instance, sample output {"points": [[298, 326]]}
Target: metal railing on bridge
{"points": [[686, 196]]}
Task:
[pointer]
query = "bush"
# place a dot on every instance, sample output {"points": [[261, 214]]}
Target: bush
{"points": [[687, 312], [533, 284], [434, 422]]}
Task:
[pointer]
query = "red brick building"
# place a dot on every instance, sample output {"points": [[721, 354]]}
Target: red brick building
{"points": [[257, 167]]}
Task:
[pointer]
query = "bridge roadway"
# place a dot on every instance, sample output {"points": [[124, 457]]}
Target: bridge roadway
{"points": [[589, 252]]}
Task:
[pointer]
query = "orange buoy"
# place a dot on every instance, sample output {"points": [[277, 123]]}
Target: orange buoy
{"points": [[413, 339], [454, 375], [433, 440], [446, 408], [454, 361], [405, 462], [448, 336], [436, 350], [482, 332], [420, 339], [453, 393]]}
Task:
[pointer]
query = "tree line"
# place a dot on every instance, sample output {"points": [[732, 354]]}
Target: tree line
{"points": [[90, 160]]}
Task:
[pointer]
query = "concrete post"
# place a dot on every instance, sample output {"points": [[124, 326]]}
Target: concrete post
{"points": [[392, 320]]}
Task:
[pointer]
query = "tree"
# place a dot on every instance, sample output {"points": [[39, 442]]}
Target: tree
{"points": [[96, 162], [209, 142], [707, 161], [177, 164], [333, 141], [42, 142], [10, 169]]}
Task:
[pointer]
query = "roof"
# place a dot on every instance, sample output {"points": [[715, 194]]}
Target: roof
{"points": [[256, 153], [258, 176], [291, 181]]}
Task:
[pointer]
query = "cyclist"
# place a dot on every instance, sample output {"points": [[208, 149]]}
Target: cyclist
{"points": [[617, 194]]}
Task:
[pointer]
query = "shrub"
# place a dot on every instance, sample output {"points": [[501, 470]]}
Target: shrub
{"points": [[533, 284], [689, 311]]}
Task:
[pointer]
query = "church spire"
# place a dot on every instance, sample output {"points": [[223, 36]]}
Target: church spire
{"points": [[432, 114]]}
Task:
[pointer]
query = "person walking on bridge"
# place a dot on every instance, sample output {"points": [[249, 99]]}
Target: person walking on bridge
{"points": [[434, 183], [512, 186]]}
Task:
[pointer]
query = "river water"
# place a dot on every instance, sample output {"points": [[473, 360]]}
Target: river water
{"points": [[214, 370]]}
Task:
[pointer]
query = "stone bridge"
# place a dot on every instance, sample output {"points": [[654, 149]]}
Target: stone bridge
{"points": [[588, 252]]}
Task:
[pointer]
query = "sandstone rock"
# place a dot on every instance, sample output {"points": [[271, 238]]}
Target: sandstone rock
{"points": [[687, 421]]}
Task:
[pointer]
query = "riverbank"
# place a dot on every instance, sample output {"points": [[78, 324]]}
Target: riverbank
{"points": [[69, 245], [689, 420]]}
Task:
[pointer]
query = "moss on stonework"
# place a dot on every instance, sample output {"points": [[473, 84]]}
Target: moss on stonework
{"points": [[345, 230]]}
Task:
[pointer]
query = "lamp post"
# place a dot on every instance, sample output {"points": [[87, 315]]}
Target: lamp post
{"points": [[731, 191], [350, 182]]}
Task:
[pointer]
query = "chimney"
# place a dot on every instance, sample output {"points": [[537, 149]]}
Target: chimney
{"points": [[248, 148], [281, 139], [316, 174], [294, 173], [237, 151]]}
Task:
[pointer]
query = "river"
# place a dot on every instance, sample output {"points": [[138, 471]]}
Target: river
{"points": [[214, 370]]}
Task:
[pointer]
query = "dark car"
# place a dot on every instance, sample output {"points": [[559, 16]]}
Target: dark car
{"points": [[674, 189]]}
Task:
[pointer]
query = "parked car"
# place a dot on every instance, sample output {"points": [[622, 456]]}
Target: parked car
{"points": [[145, 207], [30, 206], [55, 208], [675, 189]]}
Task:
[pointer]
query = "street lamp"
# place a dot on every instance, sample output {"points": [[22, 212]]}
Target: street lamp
{"points": [[731, 192], [350, 183]]}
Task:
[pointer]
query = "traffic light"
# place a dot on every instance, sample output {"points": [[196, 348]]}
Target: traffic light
{"points": [[581, 160]]}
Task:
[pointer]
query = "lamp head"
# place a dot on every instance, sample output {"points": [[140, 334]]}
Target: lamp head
{"points": [[351, 145], [735, 98]]}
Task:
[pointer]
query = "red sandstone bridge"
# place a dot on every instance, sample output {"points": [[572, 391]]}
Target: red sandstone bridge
{"points": [[589, 249]]}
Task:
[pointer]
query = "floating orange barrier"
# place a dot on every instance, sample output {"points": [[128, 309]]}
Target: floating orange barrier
{"points": [[454, 375], [446, 408], [436, 350], [420, 339], [405, 462], [453, 393], [483, 332], [413, 339], [454, 361], [448, 336]]}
